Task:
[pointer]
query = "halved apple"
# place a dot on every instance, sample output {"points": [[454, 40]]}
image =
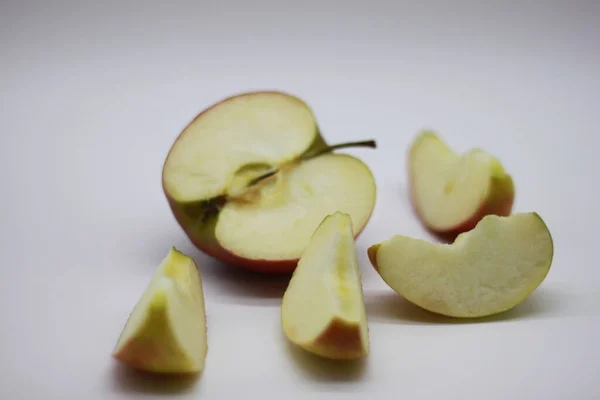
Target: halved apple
{"points": [[250, 178], [323, 308], [166, 331], [486, 271], [450, 192]]}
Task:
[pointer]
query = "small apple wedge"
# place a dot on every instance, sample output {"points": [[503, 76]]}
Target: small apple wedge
{"points": [[486, 271], [166, 331], [451, 192], [323, 308], [251, 177]]}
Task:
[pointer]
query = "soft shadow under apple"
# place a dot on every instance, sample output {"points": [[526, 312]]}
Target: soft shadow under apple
{"points": [[391, 308], [222, 282], [234, 285], [325, 370], [129, 380]]}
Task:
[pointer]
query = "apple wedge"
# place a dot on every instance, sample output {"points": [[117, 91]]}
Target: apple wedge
{"points": [[250, 178], [486, 271], [323, 308], [166, 331], [451, 192]]}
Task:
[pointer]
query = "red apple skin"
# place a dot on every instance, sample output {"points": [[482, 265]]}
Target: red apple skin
{"points": [[206, 242], [499, 202], [204, 238]]}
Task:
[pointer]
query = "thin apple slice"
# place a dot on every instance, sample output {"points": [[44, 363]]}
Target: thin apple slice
{"points": [[323, 308], [486, 271], [451, 192], [251, 177], [166, 331]]}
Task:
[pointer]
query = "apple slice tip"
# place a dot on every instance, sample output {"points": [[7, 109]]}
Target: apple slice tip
{"points": [[372, 253]]}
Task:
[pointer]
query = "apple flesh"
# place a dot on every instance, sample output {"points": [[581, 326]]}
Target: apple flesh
{"points": [[166, 331], [250, 178], [323, 308], [450, 192], [486, 271]]}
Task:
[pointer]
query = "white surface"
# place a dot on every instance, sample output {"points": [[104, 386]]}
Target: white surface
{"points": [[92, 96]]}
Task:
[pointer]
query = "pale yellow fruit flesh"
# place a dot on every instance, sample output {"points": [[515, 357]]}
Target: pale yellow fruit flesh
{"points": [[449, 188], [486, 271], [166, 331], [263, 128], [279, 221], [323, 307]]}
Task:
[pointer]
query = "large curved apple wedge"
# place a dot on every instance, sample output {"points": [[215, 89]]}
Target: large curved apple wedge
{"points": [[250, 178], [323, 309], [452, 192], [166, 331], [486, 271]]}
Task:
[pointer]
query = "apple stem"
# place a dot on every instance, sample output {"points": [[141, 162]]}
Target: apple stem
{"points": [[365, 143]]}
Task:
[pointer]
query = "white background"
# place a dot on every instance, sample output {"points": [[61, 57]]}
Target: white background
{"points": [[92, 95]]}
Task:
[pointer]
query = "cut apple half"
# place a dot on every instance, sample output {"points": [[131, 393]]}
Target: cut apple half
{"points": [[323, 308], [166, 331], [486, 271], [250, 178], [452, 192]]}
